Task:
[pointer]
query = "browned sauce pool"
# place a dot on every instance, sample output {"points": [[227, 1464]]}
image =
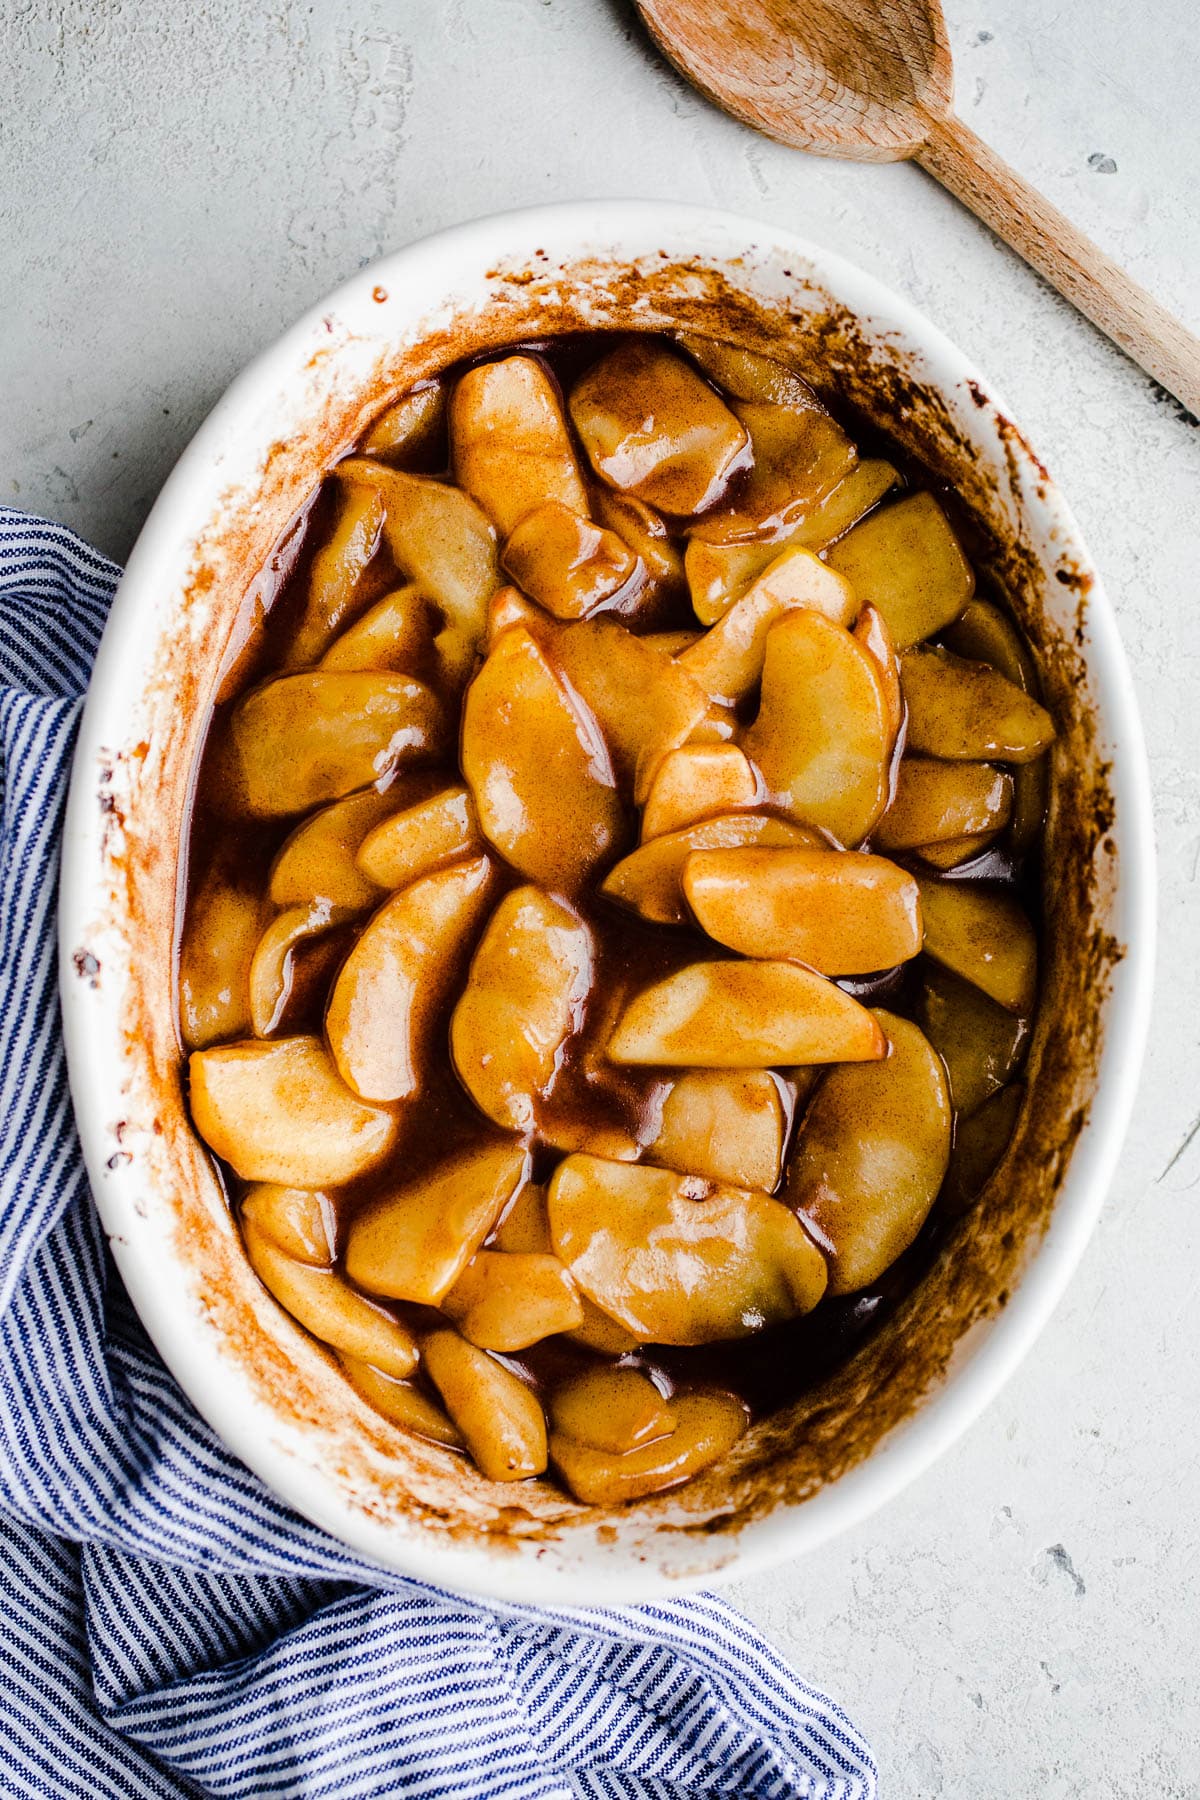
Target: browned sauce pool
{"points": [[793, 457]]}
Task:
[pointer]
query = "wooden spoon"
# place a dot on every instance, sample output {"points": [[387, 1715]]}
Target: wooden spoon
{"points": [[872, 79]]}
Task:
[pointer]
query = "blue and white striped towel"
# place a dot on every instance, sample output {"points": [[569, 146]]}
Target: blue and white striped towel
{"points": [[169, 1628]]}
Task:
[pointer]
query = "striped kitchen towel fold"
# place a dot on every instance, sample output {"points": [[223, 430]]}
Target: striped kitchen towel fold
{"points": [[170, 1628]]}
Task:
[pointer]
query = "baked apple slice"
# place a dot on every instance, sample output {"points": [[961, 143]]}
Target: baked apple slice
{"points": [[506, 1303], [724, 1125], [523, 999], [400, 1402], [822, 739], [905, 560], [440, 827], [616, 1410], [983, 934], [980, 1043], [337, 568], [695, 782], [653, 428], [645, 531], [728, 660], [968, 712], [706, 1427], [744, 1015], [942, 802], [329, 1308], [407, 433], [301, 740], [501, 1420], [537, 768], [414, 1243], [220, 935], [650, 880], [841, 913], [273, 966], [871, 1156], [299, 1221], [279, 1111], [394, 984], [677, 1260], [567, 564], [509, 441], [396, 634], [872, 633], [318, 861]]}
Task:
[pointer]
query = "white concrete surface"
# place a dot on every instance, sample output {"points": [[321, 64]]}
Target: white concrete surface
{"points": [[178, 182]]}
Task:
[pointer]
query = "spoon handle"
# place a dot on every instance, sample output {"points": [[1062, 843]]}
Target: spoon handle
{"points": [[1064, 257]]}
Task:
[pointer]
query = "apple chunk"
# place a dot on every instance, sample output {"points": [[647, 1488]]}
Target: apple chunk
{"points": [[706, 1426], [967, 712], [395, 982], [415, 1243], [407, 431], [537, 768], [337, 568], [822, 739], [400, 1402], [842, 913], [654, 428], [317, 862], [272, 971], [301, 740], [611, 1409], [728, 660], [694, 782], [872, 633], [327, 1306], [509, 441], [677, 1260], [566, 563], [939, 802], [499, 1417], [396, 634], [438, 828], [299, 1221], [725, 1125], [871, 1156], [280, 1112], [507, 1303], [980, 1043], [983, 934], [650, 880], [524, 997], [220, 935], [905, 560], [645, 531], [744, 1015]]}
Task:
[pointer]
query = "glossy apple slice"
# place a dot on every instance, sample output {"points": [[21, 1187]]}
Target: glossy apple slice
{"points": [[279, 1111], [644, 701], [298, 1221], [695, 782], [744, 1015], [980, 1144], [617, 1410], [650, 880], [728, 660], [871, 1156], [983, 934], [337, 568], [524, 997], [746, 374], [984, 634], [537, 768], [503, 1302], [707, 1426], [980, 1043], [841, 913], [940, 802], [677, 1260], [500, 1419], [318, 860], [396, 634], [653, 428], [509, 441], [438, 537], [329, 1308], [439, 828], [396, 981], [952, 853], [724, 1125], [301, 740], [523, 1229], [872, 633], [822, 739], [401, 1403], [220, 935], [968, 712], [566, 563], [273, 965], [646, 533], [407, 432], [415, 1243], [905, 560]]}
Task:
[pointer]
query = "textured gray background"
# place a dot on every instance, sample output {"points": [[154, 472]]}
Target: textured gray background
{"points": [[178, 182]]}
